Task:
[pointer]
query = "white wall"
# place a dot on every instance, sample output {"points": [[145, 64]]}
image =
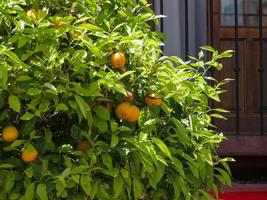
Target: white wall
{"points": [[174, 25]]}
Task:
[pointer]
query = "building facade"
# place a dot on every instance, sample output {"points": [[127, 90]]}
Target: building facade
{"points": [[240, 25]]}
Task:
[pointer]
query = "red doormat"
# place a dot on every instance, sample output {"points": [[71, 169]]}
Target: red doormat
{"points": [[244, 196]]}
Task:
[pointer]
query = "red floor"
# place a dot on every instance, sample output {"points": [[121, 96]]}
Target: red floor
{"points": [[239, 191], [244, 196]]}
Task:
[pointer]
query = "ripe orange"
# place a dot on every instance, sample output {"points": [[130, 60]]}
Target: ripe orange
{"points": [[122, 110], [10, 134], [129, 97], [127, 112], [118, 60], [83, 146], [134, 113], [29, 154], [153, 101]]}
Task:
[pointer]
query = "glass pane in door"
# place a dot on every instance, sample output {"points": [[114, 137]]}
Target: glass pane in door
{"points": [[228, 12], [248, 13], [252, 12]]}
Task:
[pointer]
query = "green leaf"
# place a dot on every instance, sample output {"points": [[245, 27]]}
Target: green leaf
{"points": [[23, 78], [208, 48], [86, 183], [3, 77], [120, 88], [27, 116], [184, 187], [176, 188], [227, 54], [94, 190], [212, 93], [101, 124], [163, 147], [60, 186], [147, 162], [29, 172], [51, 87], [225, 175], [22, 41], [221, 110], [92, 27], [12, 56], [179, 167], [180, 127], [29, 194], [62, 107], [217, 116], [137, 188], [76, 178], [194, 170], [33, 91], [14, 196], [94, 49], [6, 166], [118, 186], [83, 106], [114, 141], [107, 160], [41, 191], [102, 112], [9, 183], [14, 103], [160, 171], [14, 145]]}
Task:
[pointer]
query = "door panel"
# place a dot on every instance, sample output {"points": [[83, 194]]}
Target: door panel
{"points": [[249, 93]]}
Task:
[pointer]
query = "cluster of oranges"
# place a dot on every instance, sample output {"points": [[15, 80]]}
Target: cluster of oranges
{"points": [[127, 110], [29, 153]]}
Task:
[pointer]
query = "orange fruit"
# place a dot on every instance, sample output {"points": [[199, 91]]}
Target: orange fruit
{"points": [[127, 112], [10, 134], [83, 146], [122, 110], [153, 101], [129, 97], [134, 114], [118, 60], [29, 154]]}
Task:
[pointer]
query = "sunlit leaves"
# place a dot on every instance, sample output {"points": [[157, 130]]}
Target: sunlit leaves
{"points": [[83, 106], [55, 80], [14, 103]]}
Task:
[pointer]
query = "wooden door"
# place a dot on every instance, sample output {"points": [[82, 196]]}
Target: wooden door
{"points": [[223, 34]]}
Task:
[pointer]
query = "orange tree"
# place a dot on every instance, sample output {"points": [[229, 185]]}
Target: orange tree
{"points": [[90, 110]]}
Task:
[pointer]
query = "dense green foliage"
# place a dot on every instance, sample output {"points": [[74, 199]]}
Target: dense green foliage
{"points": [[55, 77]]}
